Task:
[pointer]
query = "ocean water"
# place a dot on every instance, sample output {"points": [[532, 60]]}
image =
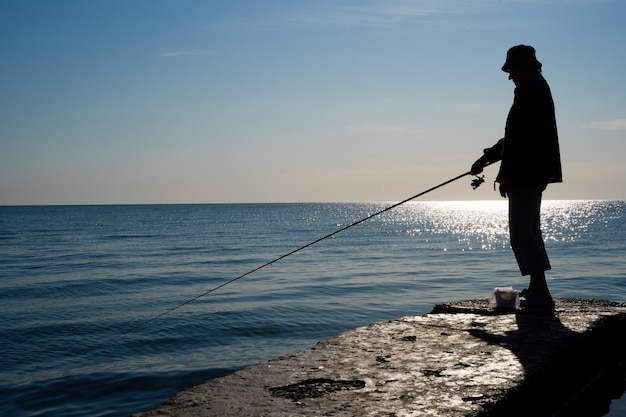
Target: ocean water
{"points": [[110, 310]]}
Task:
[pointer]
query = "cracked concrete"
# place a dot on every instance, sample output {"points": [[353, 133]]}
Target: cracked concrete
{"points": [[462, 359]]}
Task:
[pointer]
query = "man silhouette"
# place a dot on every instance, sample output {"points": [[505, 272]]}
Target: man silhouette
{"points": [[530, 160]]}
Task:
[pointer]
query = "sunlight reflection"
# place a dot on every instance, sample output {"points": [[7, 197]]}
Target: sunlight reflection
{"points": [[478, 225], [483, 225]]}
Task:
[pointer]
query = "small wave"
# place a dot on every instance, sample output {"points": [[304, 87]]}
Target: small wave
{"points": [[86, 394]]}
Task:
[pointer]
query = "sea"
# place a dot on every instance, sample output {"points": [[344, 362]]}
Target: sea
{"points": [[110, 310]]}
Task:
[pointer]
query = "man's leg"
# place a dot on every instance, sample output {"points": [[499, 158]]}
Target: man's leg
{"points": [[526, 239]]}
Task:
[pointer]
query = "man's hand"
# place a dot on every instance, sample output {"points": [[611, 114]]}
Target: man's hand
{"points": [[504, 188], [477, 167]]}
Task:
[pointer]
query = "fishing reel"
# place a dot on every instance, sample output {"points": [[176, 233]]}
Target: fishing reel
{"points": [[477, 181]]}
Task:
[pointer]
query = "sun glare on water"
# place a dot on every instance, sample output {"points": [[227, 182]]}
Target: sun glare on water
{"points": [[483, 225]]}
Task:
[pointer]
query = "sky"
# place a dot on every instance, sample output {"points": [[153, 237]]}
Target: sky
{"points": [[245, 101]]}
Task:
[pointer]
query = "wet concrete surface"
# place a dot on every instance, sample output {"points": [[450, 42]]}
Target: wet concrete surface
{"points": [[462, 359]]}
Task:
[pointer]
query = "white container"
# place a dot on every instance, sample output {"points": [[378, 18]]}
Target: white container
{"points": [[504, 298]]}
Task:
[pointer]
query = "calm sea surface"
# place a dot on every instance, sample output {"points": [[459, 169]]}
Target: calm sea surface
{"points": [[86, 291]]}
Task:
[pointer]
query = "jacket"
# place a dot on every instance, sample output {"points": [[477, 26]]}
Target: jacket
{"points": [[529, 150]]}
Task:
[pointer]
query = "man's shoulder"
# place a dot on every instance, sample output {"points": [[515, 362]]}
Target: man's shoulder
{"points": [[535, 88]]}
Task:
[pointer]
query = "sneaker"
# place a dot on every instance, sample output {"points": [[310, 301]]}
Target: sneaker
{"points": [[533, 301]]}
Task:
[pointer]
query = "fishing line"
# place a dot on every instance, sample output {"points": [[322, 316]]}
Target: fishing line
{"points": [[475, 184]]}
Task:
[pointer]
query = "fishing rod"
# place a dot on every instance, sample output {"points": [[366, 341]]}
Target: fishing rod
{"points": [[475, 184]]}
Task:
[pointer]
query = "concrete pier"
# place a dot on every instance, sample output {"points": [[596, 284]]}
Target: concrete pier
{"points": [[462, 359]]}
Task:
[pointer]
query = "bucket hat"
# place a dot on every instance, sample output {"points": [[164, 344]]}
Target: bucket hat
{"points": [[521, 57]]}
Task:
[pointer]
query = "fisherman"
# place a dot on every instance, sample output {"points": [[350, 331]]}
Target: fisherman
{"points": [[530, 160]]}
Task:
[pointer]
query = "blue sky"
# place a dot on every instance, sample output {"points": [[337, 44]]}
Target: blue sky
{"points": [[154, 101]]}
